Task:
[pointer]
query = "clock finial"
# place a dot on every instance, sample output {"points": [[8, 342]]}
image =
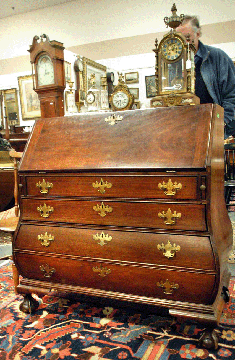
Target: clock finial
{"points": [[174, 20]]}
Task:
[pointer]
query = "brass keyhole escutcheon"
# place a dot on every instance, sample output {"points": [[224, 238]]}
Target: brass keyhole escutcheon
{"points": [[112, 119], [102, 185], [168, 286], [101, 271], [168, 250], [169, 216], [44, 186], [102, 238], [170, 187], [45, 239], [102, 209], [45, 210], [47, 270]]}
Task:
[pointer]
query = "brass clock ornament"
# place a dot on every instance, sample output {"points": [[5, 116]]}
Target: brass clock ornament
{"points": [[121, 98], [47, 59], [174, 69]]}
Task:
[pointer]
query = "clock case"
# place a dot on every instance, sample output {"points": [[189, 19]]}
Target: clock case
{"points": [[167, 95], [51, 96], [122, 87]]}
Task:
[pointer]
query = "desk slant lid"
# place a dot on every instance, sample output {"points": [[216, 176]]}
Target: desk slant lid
{"points": [[150, 139]]}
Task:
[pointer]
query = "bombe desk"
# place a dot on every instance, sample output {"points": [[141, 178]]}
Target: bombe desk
{"points": [[127, 206]]}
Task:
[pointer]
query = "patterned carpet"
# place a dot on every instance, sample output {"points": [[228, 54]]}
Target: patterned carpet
{"points": [[63, 329]]}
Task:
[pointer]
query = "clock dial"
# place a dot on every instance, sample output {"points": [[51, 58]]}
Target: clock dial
{"points": [[120, 100], [45, 71], [90, 98], [172, 49]]}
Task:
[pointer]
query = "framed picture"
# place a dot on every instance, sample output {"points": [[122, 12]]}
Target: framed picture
{"points": [[132, 77], [92, 69], [150, 86], [30, 104], [135, 92], [1, 109], [136, 105], [11, 105], [67, 70]]}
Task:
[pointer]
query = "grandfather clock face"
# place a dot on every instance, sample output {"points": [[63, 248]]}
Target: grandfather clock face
{"points": [[45, 71]]}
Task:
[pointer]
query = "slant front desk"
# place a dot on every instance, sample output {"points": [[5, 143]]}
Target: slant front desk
{"points": [[127, 206]]}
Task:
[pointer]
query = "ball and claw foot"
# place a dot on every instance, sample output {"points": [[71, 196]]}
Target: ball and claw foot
{"points": [[209, 339], [29, 305]]}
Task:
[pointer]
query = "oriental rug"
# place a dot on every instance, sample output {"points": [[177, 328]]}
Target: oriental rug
{"points": [[65, 329]]}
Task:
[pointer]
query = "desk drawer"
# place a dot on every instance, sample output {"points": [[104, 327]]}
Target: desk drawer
{"points": [[117, 213], [125, 186], [143, 281], [126, 246]]}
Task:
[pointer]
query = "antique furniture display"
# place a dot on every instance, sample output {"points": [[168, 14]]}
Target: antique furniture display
{"points": [[132, 209], [47, 59], [121, 98], [6, 179], [174, 69]]}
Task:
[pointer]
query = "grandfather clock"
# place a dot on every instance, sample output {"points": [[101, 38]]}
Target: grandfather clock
{"points": [[47, 59]]}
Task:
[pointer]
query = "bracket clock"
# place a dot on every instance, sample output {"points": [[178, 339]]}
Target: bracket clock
{"points": [[121, 98], [47, 59], [174, 70]]}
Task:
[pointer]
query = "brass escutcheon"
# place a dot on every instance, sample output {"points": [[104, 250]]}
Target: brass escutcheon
{"points": [[102, 238], [101, 185], [170, 187], [102, 209], [45, 239], [45, 210], [102, 271], [112, 119], [47, 271], [44, 186], [170, 217], [168, 287], [168, 249]]}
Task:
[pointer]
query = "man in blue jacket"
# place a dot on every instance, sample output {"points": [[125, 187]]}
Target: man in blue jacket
{"points": [[215, 74]]}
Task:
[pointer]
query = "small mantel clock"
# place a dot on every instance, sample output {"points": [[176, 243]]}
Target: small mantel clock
{"points": [[121, 98], [47, 59], [174, 70]]}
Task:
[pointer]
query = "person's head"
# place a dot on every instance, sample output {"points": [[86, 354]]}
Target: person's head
{"points": [[190, 26]]}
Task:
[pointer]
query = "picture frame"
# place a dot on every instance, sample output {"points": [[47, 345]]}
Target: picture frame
{"points": [[29, 101], [92, 67], [136, 105], [150, 84], [132, 77], [135, 92], [11, 106], [67, 71]]}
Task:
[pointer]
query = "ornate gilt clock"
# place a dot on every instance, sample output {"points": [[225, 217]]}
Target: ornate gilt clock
{"points": [[174, 69], [121, 98], [47, 59]]}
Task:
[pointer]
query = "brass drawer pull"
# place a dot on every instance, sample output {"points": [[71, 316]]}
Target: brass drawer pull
{"points": [[102, 238], [168, 249], [170, 217], [45, 239], [44, 186], [102, 271], [168, 287], [47, 271], [170, 187], [102, 209], [101, 185], [45, 210]]}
